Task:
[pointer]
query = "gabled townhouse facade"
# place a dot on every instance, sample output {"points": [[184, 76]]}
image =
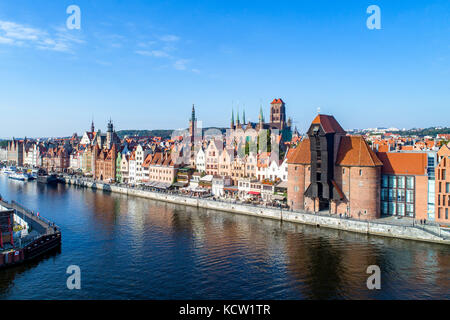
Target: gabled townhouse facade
{"points": [[200, 160], [212, 154]]}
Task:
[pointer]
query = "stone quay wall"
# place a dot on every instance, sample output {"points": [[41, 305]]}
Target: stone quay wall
{"points": [[302, 217]]}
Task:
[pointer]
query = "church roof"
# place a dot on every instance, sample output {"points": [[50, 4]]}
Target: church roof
{"points": [[275, 101]]}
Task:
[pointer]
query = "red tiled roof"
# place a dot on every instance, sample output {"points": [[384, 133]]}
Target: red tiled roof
{"points": [[383, 148], [354, 151], [414, 163], [301, 154], [275, 101], [328, 123], [444, 151]]}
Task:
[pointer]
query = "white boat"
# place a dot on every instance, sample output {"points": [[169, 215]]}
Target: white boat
{"points": [[9, 170], [19, 176], [34, 174]]}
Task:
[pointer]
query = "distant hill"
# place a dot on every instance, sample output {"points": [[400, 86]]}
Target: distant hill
{"points": [[145, 133], [423, 132], [163, 133]]}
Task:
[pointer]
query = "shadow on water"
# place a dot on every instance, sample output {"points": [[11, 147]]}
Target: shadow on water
{"points": [[8, 275]]}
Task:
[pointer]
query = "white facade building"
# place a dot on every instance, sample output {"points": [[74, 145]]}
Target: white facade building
{"points": [[140, 157], [3, 154], [200, 160], [218, 185], [132, 169], [32, 156], [277, 170]]}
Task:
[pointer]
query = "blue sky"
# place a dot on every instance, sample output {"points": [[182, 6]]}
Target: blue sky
{"points": [[144, 63]]}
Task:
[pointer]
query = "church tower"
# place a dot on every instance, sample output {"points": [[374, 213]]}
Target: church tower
{"points": [[278, 113], [109, 134], [232, 119], [192, 125], [238, 122]]}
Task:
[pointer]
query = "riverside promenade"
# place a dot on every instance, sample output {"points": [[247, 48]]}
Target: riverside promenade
{"points": [[427, 233]]}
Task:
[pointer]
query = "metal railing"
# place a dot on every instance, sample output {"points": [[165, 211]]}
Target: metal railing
{"points": [[32, 215]]}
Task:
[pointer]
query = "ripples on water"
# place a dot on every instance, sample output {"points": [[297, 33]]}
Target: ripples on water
{"points": [[132, 248]]}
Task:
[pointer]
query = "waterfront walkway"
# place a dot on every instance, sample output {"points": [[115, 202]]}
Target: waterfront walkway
{"points": [[38, 223], [392, 228]]}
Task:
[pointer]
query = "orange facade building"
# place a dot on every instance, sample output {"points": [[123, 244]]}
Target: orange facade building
{"points": [[404, 184], [442, 190], [56, 160], [105, 163]]}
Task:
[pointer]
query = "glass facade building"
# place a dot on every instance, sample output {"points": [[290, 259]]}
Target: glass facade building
{"points": [[398, 195]]}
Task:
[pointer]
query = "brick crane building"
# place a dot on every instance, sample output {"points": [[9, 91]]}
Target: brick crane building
{"points": [[329, 171]]}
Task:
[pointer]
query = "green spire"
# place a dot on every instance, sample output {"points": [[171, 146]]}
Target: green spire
{"points": [[261, 115], [243, 117], [232, 117], [237, 121], [193, 114]]}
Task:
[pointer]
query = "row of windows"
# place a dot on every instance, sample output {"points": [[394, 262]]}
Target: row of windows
{"points": [[447, 187], [442, 174], [443, 202], [360, 171], [399, 195], [397, 208], [440, 211], [400, 182], [160, 178]]}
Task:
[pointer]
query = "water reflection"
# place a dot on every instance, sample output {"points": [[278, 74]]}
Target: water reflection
{"points": [[132, 248]]}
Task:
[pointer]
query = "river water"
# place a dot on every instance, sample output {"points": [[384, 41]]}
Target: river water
{"points": [[134, 248]]}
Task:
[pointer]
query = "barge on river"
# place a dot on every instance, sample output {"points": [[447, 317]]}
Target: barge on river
{"points": [[24, 235]]}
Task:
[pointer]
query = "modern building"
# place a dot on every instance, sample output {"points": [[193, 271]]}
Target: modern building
{"points": [[404, 184]]}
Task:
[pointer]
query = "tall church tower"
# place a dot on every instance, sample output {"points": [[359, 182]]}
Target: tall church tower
{"points": [[278, 113], [232, 119], [109, 134], [192, 125]]}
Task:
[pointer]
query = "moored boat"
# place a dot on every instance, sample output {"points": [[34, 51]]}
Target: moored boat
{"points": [[48, 179], [18, 176], [9, 170]]}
